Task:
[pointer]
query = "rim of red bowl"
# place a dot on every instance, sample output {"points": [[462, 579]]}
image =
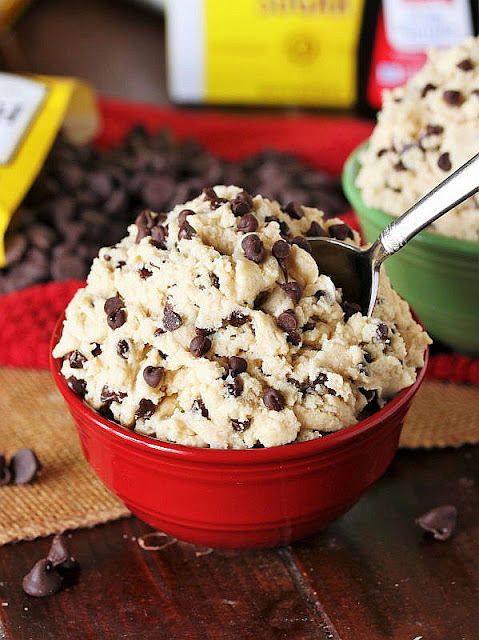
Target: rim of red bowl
{"points": [[288, 451]]}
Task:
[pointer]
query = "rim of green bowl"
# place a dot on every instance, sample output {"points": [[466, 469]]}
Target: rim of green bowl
{"points": [[425, 238]]}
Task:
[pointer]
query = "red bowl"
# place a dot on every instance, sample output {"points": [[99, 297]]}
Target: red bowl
{"points": [[234, 499]]}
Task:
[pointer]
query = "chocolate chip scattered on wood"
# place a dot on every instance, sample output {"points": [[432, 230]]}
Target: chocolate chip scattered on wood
{"points": [[43, 580], [441, 522]]}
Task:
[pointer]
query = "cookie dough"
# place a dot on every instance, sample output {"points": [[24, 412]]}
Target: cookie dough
{"points": [[210, 326], [426, 130]]}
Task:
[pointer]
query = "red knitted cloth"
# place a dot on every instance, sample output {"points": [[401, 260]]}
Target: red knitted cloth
{"points": [[27, 317]]}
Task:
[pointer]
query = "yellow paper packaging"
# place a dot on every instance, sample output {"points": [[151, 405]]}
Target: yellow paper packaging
{"points": [[32, 110]]}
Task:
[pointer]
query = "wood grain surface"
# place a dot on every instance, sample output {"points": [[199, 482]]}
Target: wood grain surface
{"points": [[372, 575]]}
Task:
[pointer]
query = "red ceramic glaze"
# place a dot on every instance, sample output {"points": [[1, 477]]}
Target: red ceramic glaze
{"points": [[238, 498]]}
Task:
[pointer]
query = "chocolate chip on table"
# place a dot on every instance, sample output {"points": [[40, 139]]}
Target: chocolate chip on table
{"points": [[427, 88], [287, 321], [237, 319], [153, 376], [200, 345], [60, 556], [315, 230], [253, 248], [273, 400], [76, 359], [444, 162], [24, 466], [441, 522], [294, 210], [122, 349], [43, 580], [171, 320], [5, 473], [198, 406], [240, 425], [341, 231], [302, 243], [237, 365], [247, 223], [77, 385], [146, 409], [465, 65], [453, 98], [293, 290]]}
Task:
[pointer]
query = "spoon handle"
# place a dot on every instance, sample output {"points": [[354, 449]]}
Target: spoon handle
{"points": [[452, 191]]}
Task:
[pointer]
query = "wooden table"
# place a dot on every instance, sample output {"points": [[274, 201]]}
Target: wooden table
{"points": [[372, 575]]}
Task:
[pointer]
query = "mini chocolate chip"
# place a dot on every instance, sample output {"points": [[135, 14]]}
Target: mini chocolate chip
{"points": [[96, 351], [367, 357], [247, 223], [5, 473], [159, 332], [427, 88], [146, 409], [235, 388], [350, 308], [240, 207], [77, 385], [287, 321], [159, 233], [260, 299], [293, 338], [434, 130], [293, 290], [59, 555], [453, 98], [116, 319], [217, 202], [198, 406], [171, 320], [203, 332], [309, 326], [382, 332], [120, 264], [444, 162], [369, 394], [209, 193], [200, 345], [183, 215], [144, 221], [186, 231], [236, 319], [122, 349], [215, 281], [273, 400], [237, 365], [381, 152], [113, 304], [43, 580], [315, 230], [294, 210], [341, 231], [302, 242], [76, 360], [145, 273], [153, 375], [240, 425], [109, 396], [319, 294], [441, 521], [24, 466], [253, 248], [465, 65], [281, 250], [400, 166]]}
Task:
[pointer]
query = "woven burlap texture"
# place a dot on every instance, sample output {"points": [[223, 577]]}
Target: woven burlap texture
{"points": [[68, 495]]}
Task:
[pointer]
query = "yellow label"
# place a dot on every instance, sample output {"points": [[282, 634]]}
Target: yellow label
{"points": [[31, 114], [282, 51]]}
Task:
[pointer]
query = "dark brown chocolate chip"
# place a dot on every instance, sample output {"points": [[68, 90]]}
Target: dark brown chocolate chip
{"points": [[294, 210], [444, 162], [5, 473], [369, 394], [427, 88], [215, 281], [400, 166], [76, 360], [203, 331], [144, 221], [96, 351], [240, 207], [240, 425], [293, 290], [171, 320], [465, 65], [200, 345], [315, 230], [153, 376], [146, 409], [109, 396], [184, 213], [122, 349], [236, 319], [382, 332], [281, 250], [434, 130], [237, 365], [309, 326], [293, 338], [253, 248], [273, 400], [198, 406], [260, 299], [453, 98], [77, 385], [302, 243], [319, 294], [116, 319], [367, 357], [350, 308], [341, 231], [235, 388], [381, 152], [159, 233], [209, 193], [287, 321], [43, 580], [145, 273], [59, 555], [186, 231], [247, 223], [217, 202], [113, 304], [441, 521], [24, 466]]}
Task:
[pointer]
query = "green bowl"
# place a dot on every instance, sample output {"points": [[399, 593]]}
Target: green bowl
{"points": [[437, 275]]}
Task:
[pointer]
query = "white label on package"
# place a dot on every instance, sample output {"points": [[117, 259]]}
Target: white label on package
{"points": [[20, 99]]}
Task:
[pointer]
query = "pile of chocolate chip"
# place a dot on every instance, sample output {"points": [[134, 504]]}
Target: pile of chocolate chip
{"points": [[22, 468], [50, 574], [85, 198]]}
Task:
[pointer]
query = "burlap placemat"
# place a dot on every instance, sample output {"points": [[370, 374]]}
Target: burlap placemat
{"points": [[68, 495]]}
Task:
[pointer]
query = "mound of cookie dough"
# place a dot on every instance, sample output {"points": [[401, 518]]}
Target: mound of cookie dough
{"points": [[427, 129], [211, 326]]}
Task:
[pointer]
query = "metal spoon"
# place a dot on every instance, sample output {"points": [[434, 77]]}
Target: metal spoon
{"points": [[356, 270]]}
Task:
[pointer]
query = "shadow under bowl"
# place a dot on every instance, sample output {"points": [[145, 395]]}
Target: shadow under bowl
{"points": [[234, 499], [437, 275]]}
